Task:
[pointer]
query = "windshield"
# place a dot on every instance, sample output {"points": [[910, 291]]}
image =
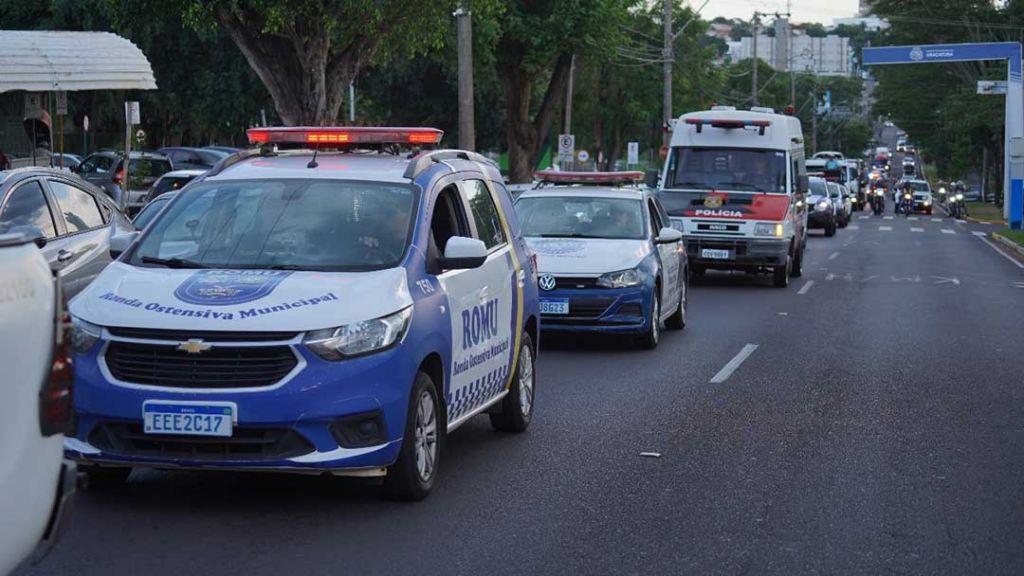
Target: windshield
{"points": [[326, 225], [818, 187], [149, 211], [574, 217], [920, 186], [754, 170]]}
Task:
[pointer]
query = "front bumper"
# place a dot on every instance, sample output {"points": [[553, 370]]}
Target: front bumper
{"points": [[745, 253], [606, 310], [819, 219], [285, 427]]}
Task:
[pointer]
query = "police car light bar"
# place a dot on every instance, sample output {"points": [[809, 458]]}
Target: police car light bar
{"points": [[344, 135], [729, 124], [558, 177]]}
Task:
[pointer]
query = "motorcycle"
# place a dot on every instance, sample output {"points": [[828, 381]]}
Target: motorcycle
{"points": [[956, 207], [878, 201], [907, 205]]}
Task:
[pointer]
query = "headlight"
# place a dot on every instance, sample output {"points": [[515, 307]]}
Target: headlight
{"points": [[927, 202], [621, 279], [360, 337], [768, 229], [823, 205], [906, 196], [942, 190], [959, 196], [83, 335]]}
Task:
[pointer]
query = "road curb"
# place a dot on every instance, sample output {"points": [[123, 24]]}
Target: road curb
{"points": [[1017, 250]]}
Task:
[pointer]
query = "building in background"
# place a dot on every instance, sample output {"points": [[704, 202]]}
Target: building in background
{"points": [[828, 56], [870, 23]]}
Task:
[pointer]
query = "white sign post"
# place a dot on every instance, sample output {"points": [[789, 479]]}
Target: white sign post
{"points": [[566, 147], [633, 154], [132, 117]]}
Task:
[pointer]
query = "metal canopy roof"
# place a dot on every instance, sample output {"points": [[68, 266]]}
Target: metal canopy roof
{"points": [[41, 61]]}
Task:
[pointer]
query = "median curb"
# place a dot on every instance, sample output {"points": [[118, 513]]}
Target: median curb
{"points": [[1017, 249], [977, 221]]}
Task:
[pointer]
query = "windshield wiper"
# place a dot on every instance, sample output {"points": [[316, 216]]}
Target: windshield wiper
{"points": [[173, 262], [573, 235], [282, 267]]}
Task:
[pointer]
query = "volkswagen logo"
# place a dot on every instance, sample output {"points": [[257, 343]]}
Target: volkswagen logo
{"points": [[546, 282]]}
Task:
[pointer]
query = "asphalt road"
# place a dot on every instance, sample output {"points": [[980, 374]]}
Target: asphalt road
{"points": [[875, 429]]}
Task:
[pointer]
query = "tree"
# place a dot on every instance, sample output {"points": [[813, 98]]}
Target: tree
{"points": [[307, 51]]}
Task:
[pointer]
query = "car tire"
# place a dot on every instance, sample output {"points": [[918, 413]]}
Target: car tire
{"points": [[677, 321], [929, 211], [104, 477], [413, 474], [517, 406], [830, 228], [797, 269], [780, 274], [652, 336]]}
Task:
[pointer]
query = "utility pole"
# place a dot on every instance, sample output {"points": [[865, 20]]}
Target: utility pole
{"points": [[814, 121], [467, 127], [668, 60], [568, 96], [753, 69]]}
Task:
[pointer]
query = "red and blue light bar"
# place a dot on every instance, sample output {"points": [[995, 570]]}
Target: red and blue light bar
{"points": [[729, 123], [344, 135], [559, 177]]}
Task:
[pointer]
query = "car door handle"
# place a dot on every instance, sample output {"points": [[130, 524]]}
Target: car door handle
{"points": [[65, 255]]}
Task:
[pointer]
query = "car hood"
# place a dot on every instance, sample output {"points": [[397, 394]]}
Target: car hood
{"points": [[587, 255], [812, 200], [238, 300]]}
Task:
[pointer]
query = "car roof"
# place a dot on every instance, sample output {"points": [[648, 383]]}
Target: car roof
{"points": [[623, 192], [193, 172]]}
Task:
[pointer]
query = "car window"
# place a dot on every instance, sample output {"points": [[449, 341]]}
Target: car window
{"points": [[818, 187], [327, 225], [149, 167], [581, 217], [96, 164], [78, 207], [26, 207], [447, 220], [148, 212], [170, 183], [485, 214], [656, 223]]}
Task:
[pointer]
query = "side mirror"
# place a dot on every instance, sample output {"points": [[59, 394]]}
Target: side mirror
{"points": [[669, 236], [802, 183], [652, 178], [463, 253], [35, 235], [119, 243]]}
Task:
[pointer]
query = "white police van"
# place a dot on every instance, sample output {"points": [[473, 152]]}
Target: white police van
{"points": [[311, 311], [609, 260]]}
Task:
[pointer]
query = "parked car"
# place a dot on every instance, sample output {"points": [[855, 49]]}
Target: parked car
{"points": [[193, 158], [106, 170], [150, 210], [71, 220], [36, 407], [170, 182], [70, 161], [228, 149]]}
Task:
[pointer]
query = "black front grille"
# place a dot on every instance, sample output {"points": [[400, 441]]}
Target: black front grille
{"points": [[629, 310], [218, 367], [208, 335], [244, 444], [588, 307], [575, 283]]}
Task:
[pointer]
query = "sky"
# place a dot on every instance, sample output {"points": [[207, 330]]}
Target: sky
{"points": [[803, 10]]}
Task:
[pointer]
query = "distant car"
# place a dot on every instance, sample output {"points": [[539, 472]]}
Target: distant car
{"points": [[149, 211], [193, 158], [106, 170], [910, 150], [972, 193], [228, 149], [889, 124], [71, 220], [170, 182], [36, 407], [820, 210], [909, 168], [70, 161], [828, 155], [839, 195]]}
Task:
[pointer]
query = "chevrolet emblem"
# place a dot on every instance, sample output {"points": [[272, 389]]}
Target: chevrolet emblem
{"points": [[713, 201], [194, 346]]}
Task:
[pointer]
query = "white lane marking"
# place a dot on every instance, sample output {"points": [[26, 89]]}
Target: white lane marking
{"points": [[917, 229], [961, 221], [912, 218], [733, 364], [829, 276], [887, 217], [1001, 253], [834, 256], [806, 287], [979, 233], [863, 217], [885, 228], [948, 231], [853, 227], [936, 219]]}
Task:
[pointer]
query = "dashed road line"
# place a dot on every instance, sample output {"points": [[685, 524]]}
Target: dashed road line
{"points": [[807, 286], [961, 221], [912, 218], [833, 256], [863, 217], [948, 231], [936, 219], [885, 228], [733, 364], [853, 227], [887, 217], [979, 233], [917, 229]]}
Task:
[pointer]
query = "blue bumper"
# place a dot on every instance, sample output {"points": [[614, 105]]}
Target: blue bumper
{"points": [[603, 310], [298, 412]]}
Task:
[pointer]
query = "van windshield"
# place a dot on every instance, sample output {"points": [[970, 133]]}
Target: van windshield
{"points": [[739, 169]]}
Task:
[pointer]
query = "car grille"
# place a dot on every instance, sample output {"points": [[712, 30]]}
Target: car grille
{"points": [[588, 307], [208, 335], [218, 367], [244, 444], [694, 246], [575, 283]]}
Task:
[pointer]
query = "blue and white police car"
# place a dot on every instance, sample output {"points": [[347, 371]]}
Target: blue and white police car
{"points": [[311, 311], [608, 258]]}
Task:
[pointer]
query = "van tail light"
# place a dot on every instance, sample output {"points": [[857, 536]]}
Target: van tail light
{"points": [[56, 410], [119, 176]]}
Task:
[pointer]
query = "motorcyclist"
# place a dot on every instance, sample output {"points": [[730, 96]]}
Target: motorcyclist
{"points": [[905, 202]]}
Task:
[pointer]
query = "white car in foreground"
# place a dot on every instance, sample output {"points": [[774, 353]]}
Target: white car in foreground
{"points": [[35, 408]]}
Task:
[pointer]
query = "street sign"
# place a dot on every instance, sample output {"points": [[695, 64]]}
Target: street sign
{"points": [[33, 104], [131, 112], [633, 153], [566, 147], [62, 102], [992, 87], [583, 156]]}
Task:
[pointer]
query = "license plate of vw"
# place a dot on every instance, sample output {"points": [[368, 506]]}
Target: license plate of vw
{"points": [[559, 306], [714, 254], [189, 418]]}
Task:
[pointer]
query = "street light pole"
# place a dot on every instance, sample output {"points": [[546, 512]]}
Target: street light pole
{"points": [[467, 127], [753, 69]]}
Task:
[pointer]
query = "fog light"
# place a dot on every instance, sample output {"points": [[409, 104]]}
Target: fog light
{"points": [[360, 430]]}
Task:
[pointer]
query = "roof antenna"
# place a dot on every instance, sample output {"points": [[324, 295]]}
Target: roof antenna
{"points": [[313, 163]]}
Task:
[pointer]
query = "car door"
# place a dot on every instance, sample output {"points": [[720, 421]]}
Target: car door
{"points": [[27, 209], [86, 250], [668, 256]]}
